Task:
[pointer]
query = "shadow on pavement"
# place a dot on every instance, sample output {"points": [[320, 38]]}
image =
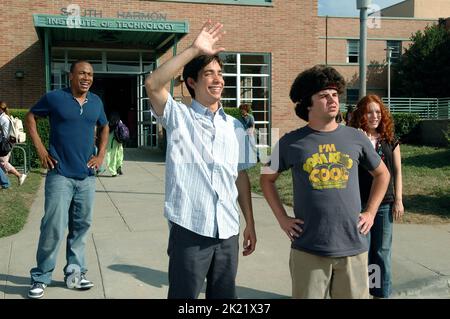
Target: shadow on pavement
{"points": [[125, 192], [20, 285], [144, 155], [159, 279]]}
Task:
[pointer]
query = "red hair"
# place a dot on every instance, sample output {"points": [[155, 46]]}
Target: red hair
{"points": [[359, 117]]}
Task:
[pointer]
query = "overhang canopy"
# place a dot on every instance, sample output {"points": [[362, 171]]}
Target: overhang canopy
{"points": [[158, 36]]}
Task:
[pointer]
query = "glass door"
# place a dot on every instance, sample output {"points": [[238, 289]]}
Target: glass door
{"points": [[148, 129]]}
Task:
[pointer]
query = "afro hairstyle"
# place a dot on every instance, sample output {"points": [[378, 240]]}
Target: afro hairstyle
{"points": [[311, 81]]}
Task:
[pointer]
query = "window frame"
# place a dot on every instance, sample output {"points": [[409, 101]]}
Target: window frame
{"points": [[397, 45], [352, 52], [239, 96]]}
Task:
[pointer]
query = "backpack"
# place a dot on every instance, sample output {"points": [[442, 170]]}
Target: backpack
{"points": [[17, 135], [121, 132], [5, 145]]}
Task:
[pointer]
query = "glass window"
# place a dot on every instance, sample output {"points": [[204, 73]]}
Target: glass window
{"points": [[229, 63], [122, 61], [254, 64], [247, 80], [94, 57], [59, 79], [352, 51], [396, 50], [229, 92], [122, 66], [352, 96]]}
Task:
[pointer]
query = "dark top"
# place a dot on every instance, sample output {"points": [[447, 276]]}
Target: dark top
{"points": [[386, 152], [71, 130], [247, 121], [324, 169]]}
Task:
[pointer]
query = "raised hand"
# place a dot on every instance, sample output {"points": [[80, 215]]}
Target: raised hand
{"points": [[208, 37]]}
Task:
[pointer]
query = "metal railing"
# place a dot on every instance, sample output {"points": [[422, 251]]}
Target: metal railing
{"points": [[425, 108]]}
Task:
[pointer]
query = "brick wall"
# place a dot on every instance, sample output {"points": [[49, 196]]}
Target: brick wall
{"points": [[342, 29], [287, 30]]}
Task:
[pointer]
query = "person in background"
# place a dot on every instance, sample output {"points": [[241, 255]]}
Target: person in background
{"points": [[5, 126], [4, 180], [114, 153], [102, 167], [73, 114], [348, 114], [375, 120], [339, 118], [248, 122], [328, 233]]}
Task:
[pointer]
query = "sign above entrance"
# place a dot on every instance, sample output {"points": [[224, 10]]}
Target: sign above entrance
{"points": [[55, 21], [136, 15], [154, 36]]}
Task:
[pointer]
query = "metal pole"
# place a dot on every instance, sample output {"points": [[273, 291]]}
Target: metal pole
{"points": [[326, 40], [389, 84], [362, 5], [47, 59], [388, 57]]}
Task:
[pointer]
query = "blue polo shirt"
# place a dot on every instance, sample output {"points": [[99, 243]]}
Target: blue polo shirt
{"points": [[71, 130]]}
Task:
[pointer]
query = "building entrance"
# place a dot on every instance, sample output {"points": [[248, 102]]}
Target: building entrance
{"points": [[122, 52], [119, 77], [119, 94]]}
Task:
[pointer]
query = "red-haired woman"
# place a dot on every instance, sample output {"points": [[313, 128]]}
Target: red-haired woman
{"points": [[375, 120]]}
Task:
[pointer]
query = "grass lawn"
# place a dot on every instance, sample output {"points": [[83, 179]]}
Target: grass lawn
{"points": [[426, 184], [16, 201], [426, 189]]}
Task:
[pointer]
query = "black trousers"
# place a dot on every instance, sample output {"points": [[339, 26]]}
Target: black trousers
{"points": [[194, 258]]}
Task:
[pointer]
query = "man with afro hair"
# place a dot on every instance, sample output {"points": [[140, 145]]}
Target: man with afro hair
{"points": [[328, 233]]}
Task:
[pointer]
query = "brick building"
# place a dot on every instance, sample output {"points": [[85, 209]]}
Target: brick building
{"points": [[338, 46], [418, 9], [268, 42]]}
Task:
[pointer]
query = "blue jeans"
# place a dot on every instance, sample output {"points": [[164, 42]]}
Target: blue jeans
{"points": [[380, 247], [4, 180], [68, 203]]}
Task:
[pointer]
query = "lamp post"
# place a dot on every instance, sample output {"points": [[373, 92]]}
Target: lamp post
{"points": [[362, 6], [388, 58]]}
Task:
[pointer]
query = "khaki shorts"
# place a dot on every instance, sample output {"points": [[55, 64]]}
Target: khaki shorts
{"points": [[319, 277]]}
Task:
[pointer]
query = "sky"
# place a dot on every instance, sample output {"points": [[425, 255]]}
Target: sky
{"points": [[347, 8]]}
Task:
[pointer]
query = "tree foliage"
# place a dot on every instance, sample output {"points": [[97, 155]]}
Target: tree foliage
{"points": [[424, 68]]}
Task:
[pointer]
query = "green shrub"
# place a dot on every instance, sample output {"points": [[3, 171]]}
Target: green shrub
{"points": [[43, 127], [233, 111], [405, 125]]}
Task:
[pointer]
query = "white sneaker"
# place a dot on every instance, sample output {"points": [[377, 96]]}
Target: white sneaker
{"points": [[22, 179], [37, 290]]}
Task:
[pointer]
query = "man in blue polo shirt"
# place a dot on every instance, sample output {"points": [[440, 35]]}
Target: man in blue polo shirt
{"points": [[70, 184]]}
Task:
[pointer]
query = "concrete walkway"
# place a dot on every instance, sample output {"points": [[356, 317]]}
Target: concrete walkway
{"points": [[126, 250]]}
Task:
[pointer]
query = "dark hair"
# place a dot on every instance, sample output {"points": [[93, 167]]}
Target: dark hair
{"points": [[359, 117], [74, 64], [4, 107], [311, 81], [348, 114], [245, 107], [114, 119], [192, 69]]}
